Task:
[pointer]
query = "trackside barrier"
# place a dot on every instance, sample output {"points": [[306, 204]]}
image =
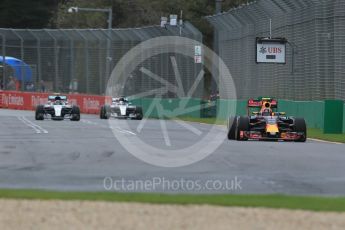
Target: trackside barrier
{"points": [[312, 111], [169, 107], [226, 108], [333, 120], [28, 101], [188, 107]]}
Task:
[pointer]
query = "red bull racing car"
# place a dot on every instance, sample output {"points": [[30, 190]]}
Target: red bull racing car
{"points": [[266, 123]]}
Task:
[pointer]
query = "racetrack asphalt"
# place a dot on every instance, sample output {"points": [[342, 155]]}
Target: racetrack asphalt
{"points": [[66, 155]]}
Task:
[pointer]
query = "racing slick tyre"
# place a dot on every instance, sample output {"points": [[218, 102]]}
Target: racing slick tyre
{"points": [[232, 123], [107, 110], [103, 113], [139, 113], [39, 114], [242, 124], [75, 113], [301, 127]]}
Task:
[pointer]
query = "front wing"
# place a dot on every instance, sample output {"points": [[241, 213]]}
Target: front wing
{"points": [[65, 113], [286, 136], [129, 113]]}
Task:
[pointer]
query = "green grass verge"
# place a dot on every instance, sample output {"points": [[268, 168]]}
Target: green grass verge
{"points": [[312, 132], [334, 204], [210, 120], [317, 133]]}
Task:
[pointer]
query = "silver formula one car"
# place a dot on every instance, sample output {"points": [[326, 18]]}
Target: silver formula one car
{"points": [[57, 108], [121, 108]]}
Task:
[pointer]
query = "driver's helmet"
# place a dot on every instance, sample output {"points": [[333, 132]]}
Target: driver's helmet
{"points": [[58, 102], [266, 112], [122, 100]]}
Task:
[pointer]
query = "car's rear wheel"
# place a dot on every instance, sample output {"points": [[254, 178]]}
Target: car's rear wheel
{"points": [[232, 123], [75, 113], [102, 113], [107, 111], [300, 126], [39, 114], [242, 126]]}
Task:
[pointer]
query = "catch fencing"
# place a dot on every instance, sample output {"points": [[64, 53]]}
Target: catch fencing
{"points": [[315, 59], [81, 60]]}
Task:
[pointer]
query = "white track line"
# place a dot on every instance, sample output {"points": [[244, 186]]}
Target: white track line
{"points": [[36, 125], [27, 124], [90, 122], [323, 141], [188, 126], [125, 131], [32, 125]]}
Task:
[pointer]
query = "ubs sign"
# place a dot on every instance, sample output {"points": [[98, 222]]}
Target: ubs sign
{"points": [[271, 50]]}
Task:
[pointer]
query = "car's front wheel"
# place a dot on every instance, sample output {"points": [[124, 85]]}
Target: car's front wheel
{"points": [[243, 125], [232, 123], [300, 126], [103, 113], [139, 113], [75, 113], [39, 114]]}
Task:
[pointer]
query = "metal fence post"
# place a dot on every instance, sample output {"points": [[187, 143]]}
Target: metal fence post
{"points": [[22, 58], [3, 60], [107, 72], [39, 65], [100, 71], [56, 61], [86, 46], [71, 40], [109, 41]]}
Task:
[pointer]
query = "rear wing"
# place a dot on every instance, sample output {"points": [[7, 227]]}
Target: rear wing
{"points": [[55, 97], [259, 103]]}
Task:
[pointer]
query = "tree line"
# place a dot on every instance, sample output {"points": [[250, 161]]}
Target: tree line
{"points": [[38, 14]]}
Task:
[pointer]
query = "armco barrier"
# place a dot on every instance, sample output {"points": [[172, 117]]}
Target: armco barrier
{"points": [[311, 111], [92, 103], [226, 108], [333, 119], [28, 101], [172, 105]]}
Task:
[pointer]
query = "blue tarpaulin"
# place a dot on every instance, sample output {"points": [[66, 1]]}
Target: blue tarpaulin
{"points": [[20, 69]]}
